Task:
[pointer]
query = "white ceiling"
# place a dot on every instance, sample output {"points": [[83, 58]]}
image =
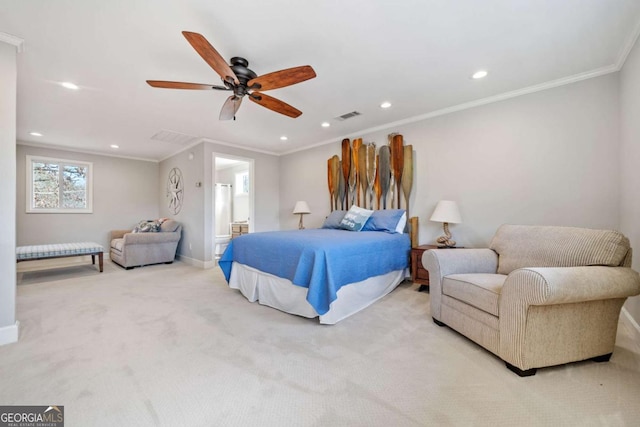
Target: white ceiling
{"points": [[417, 54]]}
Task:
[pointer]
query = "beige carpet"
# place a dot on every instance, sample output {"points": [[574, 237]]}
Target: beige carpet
{"points": [[172, 345]]}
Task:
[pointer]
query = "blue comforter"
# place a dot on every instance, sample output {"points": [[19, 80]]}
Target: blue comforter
{"points": [[322, 260]]}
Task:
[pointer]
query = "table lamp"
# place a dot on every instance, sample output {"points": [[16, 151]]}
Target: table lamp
{"points": [[301, 208], [446, 212]]}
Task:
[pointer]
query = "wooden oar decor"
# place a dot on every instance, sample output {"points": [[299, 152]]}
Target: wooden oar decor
{"points": [[330, 183], [371, 172], [346, 169], [341, 187], [362, 174], [384, 170], [397, 162], [407, 175], [376, 182], [392, 185], [335, 173], [355, 164], [353, 176]]}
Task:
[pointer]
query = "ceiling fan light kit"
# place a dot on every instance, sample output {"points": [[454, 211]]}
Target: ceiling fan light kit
{"points": [[237, 77]]}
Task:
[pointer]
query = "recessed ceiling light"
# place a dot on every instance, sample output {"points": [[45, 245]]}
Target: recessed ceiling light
{"points": [[114, 146], [385, 104], [70, 85], [479, 74], [35, 133], [325, 124], [283, 138]]}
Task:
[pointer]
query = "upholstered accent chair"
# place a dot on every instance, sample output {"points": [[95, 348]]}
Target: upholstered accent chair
{"points": [[538, 296], [129, 249]]}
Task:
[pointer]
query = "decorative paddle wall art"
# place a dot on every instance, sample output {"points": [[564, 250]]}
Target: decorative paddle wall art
{"points": [[366, 173], [175, 190]]}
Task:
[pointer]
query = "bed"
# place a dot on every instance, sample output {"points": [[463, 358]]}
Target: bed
{"points": [[328, 273]]}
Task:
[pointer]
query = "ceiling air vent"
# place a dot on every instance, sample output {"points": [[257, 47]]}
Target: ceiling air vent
{"points": [[348, 116], [174, 137]]}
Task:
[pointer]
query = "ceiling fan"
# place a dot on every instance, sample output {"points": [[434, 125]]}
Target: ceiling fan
{"points": [[241, 80]]}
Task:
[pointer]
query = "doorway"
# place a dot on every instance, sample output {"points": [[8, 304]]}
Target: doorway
{"points": [[233, 199]]}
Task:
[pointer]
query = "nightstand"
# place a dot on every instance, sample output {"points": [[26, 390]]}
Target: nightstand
{"points": [[418, 273]]}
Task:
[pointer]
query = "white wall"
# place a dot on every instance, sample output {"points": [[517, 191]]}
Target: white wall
{"points": [[630, 161], [191, 215], [124, 193], [8, 73], [549, 157], [197, 214]]}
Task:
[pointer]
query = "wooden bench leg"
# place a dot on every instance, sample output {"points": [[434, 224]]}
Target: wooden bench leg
{"points": [[93, 259], [99, 260]]}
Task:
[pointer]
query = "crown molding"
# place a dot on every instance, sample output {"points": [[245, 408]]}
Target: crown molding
{"points": [[626, 48], [467, 105], [76, 150], [13, 40], [613, 68], [241, 147], [213, 141]]}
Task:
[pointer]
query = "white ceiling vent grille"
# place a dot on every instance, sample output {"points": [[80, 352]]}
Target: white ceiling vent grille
{"points": [[174, 137], [348, 116]]}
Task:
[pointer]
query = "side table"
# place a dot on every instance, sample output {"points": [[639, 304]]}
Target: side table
{"points": [[418, 273]]}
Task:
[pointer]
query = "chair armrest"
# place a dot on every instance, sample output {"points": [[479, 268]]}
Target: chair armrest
{"points": [[555, 286], [443, 262], [118, 234], [150, 238], [563, 285]]}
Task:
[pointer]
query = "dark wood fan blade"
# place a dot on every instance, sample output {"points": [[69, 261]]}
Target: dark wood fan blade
{"points": [[230, 108], [182, 85], [211, 56], [274, 104], [283, 78]]}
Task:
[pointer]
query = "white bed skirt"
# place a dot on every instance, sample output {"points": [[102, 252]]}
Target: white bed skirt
{"points": [[280, 293]]}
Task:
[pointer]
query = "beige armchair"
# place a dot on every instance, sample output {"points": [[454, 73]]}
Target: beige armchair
{"points": [[137, 249], [539, 296]]}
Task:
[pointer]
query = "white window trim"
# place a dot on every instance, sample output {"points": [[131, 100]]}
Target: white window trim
{"points": [[29, 189]]}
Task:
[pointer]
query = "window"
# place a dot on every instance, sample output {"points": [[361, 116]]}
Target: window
{"points": [[58, 186], [242, 183]]}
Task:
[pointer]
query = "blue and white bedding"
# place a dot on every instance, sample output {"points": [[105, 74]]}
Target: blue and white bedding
{"points": [[322, 260]]}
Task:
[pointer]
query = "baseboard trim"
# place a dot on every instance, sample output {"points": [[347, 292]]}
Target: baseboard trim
{"points": [[632, 322], [9, 334], [197, 263]]}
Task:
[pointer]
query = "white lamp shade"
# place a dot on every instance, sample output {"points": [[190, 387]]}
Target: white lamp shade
{"points": [[446, 211], [301, 208]]}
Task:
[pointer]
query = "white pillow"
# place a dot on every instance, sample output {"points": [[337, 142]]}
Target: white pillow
{"points": [[401, 223], [355, 218]]}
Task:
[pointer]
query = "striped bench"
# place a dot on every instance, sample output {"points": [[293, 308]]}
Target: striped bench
{"points": [[60, 250]]}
